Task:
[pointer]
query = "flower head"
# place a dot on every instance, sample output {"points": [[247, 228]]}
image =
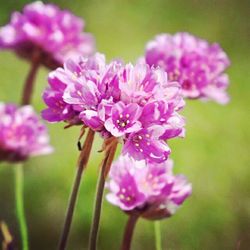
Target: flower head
{"points": [[21, 134], [193, 62], [45, 29], [136, 104], [148, 189]]}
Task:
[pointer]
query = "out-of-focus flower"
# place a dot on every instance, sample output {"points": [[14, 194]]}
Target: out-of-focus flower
{"points": [[46, 30], [148, 189], [197, 65], [136, 104], [21, 134]]}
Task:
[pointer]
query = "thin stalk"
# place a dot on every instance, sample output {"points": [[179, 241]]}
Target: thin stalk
{"points": [[82, 163], [20, 206], [128, 233], [26, 99], [107, 161], [157, 227], [29, 82]]}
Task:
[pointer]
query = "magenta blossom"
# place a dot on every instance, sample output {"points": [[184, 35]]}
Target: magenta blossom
{"points": [[147, 144], [78, 90], [197, 65], [54, 34], [148, 189], [136, 104], [21, 134], [124, 119], [58, 110]]}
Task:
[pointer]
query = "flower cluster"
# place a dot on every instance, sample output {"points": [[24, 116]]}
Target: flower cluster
{"points": [[193, 62], [148, 189], [44, 28], [136, 104], [21, 134]]}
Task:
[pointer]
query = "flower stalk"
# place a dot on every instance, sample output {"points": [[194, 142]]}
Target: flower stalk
{"points": [[110, 150], [157, 229], [129, 230], [26, 99], [30, 79], [82, 163], [20, 206]]}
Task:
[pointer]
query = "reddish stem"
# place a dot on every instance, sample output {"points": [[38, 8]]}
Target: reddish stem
{"points": [[106, 164], [128, 233], [82, 163], [29, 82]]}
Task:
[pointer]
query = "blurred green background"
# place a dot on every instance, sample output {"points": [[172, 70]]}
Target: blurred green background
{"points": [[214, 155]]}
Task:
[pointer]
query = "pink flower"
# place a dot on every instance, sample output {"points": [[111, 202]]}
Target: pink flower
{"points": [[58, 109], [124, 119], [164, 114], [193, 62], [82, 86], [148, 189], [124, 101], [147, 144], [56, 34], [21, 134]]}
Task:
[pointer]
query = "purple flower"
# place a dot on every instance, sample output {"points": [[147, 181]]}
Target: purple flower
{"points": [[56, 34], [126, 193], [21, 134], [146, 144], [193, 62], [136, 104], [124, 119], [58, 109], [91, 119], [163, 113], [142, 84], [149, 189], [81, 88]]}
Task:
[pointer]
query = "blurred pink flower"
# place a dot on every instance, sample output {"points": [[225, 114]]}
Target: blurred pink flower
{"points": [[45, 29], [21, 134], [197, 65]]}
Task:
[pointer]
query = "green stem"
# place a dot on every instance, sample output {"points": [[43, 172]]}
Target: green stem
{"points": [[157, 227], [20, 206]]}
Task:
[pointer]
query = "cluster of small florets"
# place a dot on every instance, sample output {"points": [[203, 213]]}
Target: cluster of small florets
{"points": [[44, 28], [147, 189], [21, 134], [193, 62], [136, 104]]}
